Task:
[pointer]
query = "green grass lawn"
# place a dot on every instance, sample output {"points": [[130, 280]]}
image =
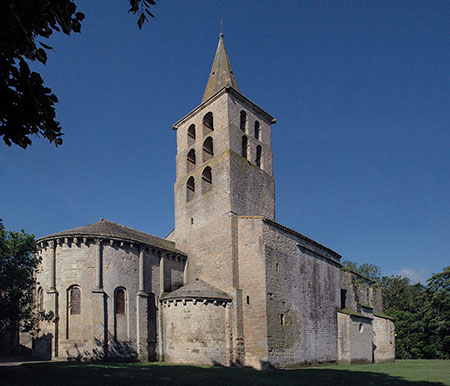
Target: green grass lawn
{"points": [[401, 373]]}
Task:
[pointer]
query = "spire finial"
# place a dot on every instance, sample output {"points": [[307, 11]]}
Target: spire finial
{"points": [[221, 25], [221, 72]]}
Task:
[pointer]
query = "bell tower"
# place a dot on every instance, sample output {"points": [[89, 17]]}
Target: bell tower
{"points": [[224, 169]]}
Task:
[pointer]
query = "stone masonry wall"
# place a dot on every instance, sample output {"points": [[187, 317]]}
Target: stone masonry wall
{"points": [[203, 225], [359, 291], [302, 299], [79, 335], [235, 106], [75, 265], [354, 339], [195, 332], [252, 282], [383, 339], [252, 188]]}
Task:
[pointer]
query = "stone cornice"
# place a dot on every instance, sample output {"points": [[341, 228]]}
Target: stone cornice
{"points": [[224, 90], [52, 241]]}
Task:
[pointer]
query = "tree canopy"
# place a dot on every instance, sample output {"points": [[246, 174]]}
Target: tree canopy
{"points": [[17, 283], [370, 271], [421, 312], [28, 106]]}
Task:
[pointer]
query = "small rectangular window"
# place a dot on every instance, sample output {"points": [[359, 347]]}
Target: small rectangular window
{"points": [[248, 299], [343, 298], [282, 320], [277, 267]]}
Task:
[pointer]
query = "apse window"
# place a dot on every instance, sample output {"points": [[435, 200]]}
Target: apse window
{"points": [[75, 301], [120, 301], [361, 328], [282, 320], [40, 299]]}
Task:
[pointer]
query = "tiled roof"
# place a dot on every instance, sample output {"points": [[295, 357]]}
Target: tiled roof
{"points": [[109, 229], [197, 289]]}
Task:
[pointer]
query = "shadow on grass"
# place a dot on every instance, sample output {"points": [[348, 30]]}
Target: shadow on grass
{"points": [[70, 373]]}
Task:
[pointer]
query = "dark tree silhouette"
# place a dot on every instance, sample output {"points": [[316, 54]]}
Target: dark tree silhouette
{"points": [[27, 106]]}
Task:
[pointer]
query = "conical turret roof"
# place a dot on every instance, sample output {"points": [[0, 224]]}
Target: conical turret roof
{"points": [[197, 289], [221, 72]]}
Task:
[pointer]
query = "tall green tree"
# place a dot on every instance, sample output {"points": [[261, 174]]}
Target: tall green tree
{"points": [[17, 283], [437, 315], [405, 302], [27, 107]]}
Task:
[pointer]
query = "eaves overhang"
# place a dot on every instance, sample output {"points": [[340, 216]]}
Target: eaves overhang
{"points": [[226, 89]]}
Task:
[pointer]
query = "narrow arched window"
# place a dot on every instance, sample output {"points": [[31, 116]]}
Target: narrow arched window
{"points": [[258, 155], [208, 123], [208, 151], [206, 180], [244, 146], [190, 189], [119, 301], [243, 120], [40, 299], [257, 130], [191, 135], [191, 160], [75, 300]]}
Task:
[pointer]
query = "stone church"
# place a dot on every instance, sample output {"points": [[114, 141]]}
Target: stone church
{"points": [[229, 285]]}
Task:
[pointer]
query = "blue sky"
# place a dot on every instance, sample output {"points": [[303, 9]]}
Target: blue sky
{"points": [[360, 89]]}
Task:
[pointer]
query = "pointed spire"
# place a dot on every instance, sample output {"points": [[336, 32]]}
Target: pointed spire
{"points": [[221, 72]]}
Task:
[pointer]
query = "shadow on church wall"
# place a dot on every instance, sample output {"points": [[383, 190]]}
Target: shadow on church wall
{"points": [[112, 351], [42, 347], [151, 327]]}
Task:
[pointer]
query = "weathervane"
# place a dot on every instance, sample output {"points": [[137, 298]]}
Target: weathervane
{"points": [[221, 25]]}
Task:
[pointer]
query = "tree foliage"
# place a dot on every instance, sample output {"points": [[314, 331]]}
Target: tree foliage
{"points": [[17, 282], [370, 271], [437, 315], [27, 106], [421, 313], [404, 302]]}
